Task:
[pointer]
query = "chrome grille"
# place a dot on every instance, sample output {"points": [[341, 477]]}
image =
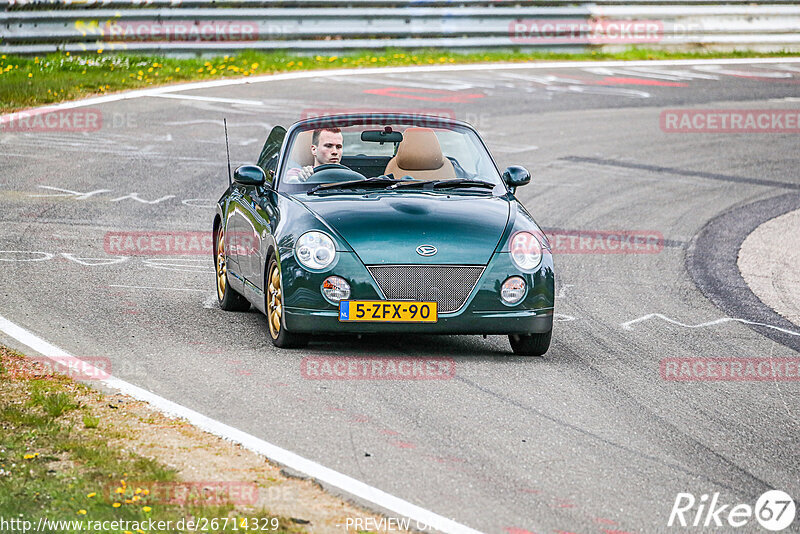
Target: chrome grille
{"points": [[448, 286]]}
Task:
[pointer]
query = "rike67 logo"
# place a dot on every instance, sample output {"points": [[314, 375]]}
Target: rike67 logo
{"points": [[774, 510]]}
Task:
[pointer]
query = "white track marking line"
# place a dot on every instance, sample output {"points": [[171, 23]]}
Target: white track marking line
{"points": [[211, 99], [628, 325], [159, 288], [390, 70], [273, 452]]}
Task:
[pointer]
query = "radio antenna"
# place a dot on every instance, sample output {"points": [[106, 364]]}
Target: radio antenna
{"points": [[227, 151]]}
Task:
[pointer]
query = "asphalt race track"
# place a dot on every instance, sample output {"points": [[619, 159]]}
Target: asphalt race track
{"points": [[589, 438]]}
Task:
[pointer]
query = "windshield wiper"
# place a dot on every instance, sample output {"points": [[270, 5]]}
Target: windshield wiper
{"points": [[369, 183], [444, 184]]}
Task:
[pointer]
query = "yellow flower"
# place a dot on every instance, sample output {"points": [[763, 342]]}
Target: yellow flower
{"points": [[146, 492], [135, 498], [67, 53], [116, 505], [140, 73], [213, 71], [254, 66], [30, 75], [333, 58], [31, 456], [140, 531], [138, 491], [92, 494], [177, 69], [100, 51], [81, 512], [35, 60], [150, 69], [146, 508], [120, 490], [128, 532], [199, 70]]}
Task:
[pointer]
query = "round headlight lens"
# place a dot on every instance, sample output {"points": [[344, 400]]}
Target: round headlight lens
{"points": [[315, 250], [335, 288], [513, 290], [526, 251]]}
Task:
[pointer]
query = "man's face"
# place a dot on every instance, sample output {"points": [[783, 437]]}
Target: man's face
{"points": [[329, 149]]}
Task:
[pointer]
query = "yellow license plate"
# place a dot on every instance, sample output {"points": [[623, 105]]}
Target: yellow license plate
{"points": [[388, 311]]}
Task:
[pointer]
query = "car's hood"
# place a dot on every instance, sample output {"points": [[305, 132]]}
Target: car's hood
{"points": [[387, 228]]}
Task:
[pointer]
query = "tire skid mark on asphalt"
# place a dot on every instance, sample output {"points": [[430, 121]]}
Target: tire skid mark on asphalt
{"points": [[681, 172], [623, 447]]}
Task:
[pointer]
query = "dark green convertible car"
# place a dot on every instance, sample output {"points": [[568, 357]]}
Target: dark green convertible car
{"points": [[370, 223]]}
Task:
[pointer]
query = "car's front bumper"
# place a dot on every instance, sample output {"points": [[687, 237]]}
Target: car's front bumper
{"points": [[501, 322], [306, 311]]}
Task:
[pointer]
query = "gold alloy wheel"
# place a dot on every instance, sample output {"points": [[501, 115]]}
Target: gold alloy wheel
{"points": [[222, 269], [274, 301]]}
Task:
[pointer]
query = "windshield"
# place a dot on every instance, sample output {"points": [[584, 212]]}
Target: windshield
{"points": [[345, 153]]}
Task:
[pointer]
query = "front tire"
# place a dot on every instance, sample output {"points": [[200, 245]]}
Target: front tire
{"points": [[530, 344], [228, 299], [274, 306]]}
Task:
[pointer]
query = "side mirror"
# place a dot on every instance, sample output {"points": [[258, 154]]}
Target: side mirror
{"points": [[249, 175], [515, 176]]}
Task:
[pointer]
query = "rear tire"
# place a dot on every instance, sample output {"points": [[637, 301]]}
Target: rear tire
{"points": [[227, 297], [530, 344], [274, 306]]}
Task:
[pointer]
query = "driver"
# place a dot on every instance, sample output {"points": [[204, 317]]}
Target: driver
{"points": [[326, 147]]}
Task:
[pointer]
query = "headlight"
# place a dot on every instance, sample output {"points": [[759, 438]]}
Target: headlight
{"points": [[513, 290], [335, 288], [315, 250], [526, 251]]}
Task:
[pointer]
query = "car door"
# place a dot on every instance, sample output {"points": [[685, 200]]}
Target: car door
{"points": [[233, 241], [258, 211]]}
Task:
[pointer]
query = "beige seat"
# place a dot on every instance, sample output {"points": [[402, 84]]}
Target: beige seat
{"points": [[420, 156], [301, 155]]}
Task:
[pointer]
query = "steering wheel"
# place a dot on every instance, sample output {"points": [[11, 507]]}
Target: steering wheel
{"points": [[328, 166]]}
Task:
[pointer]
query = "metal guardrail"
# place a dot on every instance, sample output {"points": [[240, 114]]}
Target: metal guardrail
{"points": [[187, 27]]}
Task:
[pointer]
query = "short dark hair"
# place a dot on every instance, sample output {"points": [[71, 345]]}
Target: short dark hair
{"points": [[315, 135]]}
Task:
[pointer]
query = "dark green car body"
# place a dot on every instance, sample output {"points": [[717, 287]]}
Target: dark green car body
{"points": [[381, 229]]}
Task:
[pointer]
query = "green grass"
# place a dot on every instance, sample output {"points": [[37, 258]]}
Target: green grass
{"points": [[33, 81], [90, 422], [53, 468]]}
